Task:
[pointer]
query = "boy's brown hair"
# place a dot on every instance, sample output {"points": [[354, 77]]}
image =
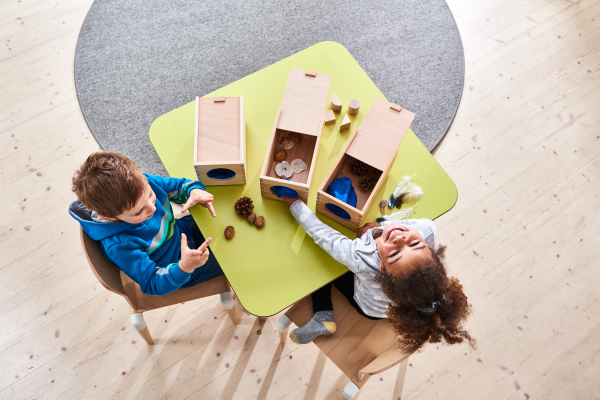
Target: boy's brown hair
{"points": [[109, 183]]}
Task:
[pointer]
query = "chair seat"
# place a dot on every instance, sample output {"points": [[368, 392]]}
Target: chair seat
{"points": [[146, 302], [357, 340]]}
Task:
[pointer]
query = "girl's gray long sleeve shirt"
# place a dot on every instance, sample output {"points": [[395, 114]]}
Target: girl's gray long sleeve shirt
{"points": [[359, 255]]}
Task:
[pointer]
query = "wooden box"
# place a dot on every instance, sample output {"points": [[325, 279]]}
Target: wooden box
{"points": [[375, 143], [301, 113], [220, 141]]}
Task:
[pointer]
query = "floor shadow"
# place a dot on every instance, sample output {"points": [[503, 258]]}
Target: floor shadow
{"points": [[400, 380], [242, 362], [264, 389], [315, 377]]}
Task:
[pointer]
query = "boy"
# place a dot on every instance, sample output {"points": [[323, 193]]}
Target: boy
{"points": [[130, 214]]}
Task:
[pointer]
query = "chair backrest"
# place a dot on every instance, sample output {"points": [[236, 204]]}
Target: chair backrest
{"points": [[108, 274], [115, 280]]}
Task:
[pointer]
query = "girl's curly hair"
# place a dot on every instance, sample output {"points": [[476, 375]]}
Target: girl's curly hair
{"points": [[424, 285]]}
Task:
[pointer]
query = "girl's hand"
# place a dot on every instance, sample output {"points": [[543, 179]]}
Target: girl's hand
{"points": [[199, 196], [289, 200], [366, 227]]}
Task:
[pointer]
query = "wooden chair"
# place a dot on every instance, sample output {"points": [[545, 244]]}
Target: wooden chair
{"points": [[115, 280], [360, 347]]}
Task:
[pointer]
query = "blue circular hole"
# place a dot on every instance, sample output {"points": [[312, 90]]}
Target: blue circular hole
{"points": [[283, 191], [338, 211], [220, 173]]}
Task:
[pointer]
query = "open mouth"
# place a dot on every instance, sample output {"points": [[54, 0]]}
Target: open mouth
{"points": [[395, 231]]}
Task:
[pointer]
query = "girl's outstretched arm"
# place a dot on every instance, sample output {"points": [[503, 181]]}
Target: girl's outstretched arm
{"points": [[333, 242]]}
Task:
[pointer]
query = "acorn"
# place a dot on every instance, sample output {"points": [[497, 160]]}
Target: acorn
{"points": [[294, 137], [229, 231], [252, 218], [260, 222], [280, 155]]}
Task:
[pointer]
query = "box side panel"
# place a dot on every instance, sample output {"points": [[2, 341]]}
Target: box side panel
{"points": [[202, 171], [271, 148], [356, 216], [374, 193], [242, 132], [386, 123], [218, 136], [266, 183], [371, 151], [303, 102]]}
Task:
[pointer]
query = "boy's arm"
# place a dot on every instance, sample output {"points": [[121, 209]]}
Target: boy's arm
{"points": [[178, 189], [136, 263], [337, 245], [182, 191]]}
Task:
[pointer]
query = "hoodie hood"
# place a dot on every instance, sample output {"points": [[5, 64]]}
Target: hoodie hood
{"points": [[97, 230]]}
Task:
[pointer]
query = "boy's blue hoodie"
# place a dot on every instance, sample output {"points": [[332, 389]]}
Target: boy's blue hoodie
{"points": [[148, 252]]}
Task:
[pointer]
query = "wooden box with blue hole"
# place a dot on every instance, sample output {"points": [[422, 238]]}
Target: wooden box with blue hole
{"points": [[220, 141], [375, 143], [295, 136]]}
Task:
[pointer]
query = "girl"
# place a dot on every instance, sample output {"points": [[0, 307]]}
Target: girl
{"points": [[397, 271]]}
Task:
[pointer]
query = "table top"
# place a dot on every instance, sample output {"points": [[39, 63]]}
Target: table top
{"points": [[271, 268]]}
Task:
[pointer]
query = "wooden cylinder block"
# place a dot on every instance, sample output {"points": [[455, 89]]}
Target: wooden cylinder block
{"points": [[353, 106]]}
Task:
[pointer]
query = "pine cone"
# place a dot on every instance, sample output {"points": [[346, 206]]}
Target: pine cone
{"points": [[366, 183], [244, 206], [359, 168]]}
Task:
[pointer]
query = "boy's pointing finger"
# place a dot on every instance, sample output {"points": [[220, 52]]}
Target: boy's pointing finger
{"points": [[184, 241], [210, 207], [204, 245]]}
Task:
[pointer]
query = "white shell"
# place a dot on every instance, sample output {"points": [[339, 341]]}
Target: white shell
{"points": [[298, 165], [284, 169], [286, 142]]}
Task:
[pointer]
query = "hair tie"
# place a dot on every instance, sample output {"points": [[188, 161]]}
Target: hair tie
{"points": [[433, 307]]}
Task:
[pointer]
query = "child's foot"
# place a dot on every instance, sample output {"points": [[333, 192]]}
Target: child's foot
{"points": [[321, 324]]}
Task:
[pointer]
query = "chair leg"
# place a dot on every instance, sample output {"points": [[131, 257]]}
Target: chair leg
{"points": [[137, 320], [351, 390], [228, 304], [283, 326]]}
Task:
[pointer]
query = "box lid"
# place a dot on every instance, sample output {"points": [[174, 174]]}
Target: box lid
{"points": [[218, 131], [304, 101], [380, 133]]}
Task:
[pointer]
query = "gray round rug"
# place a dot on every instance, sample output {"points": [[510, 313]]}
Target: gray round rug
{"points": [[138, 59]]}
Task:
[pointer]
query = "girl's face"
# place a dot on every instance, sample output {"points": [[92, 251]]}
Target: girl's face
{"points": [[401, 248]]}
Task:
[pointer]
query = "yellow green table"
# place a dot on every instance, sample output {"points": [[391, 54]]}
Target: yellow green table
{"points": [[272, 268]]}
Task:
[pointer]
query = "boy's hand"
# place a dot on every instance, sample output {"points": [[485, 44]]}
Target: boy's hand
{"points": [[202, 197], [366, 227], [192, 259], [289, 200]]}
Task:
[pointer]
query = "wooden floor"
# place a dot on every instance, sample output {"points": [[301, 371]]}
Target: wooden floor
{"points": [[523, 237]]}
